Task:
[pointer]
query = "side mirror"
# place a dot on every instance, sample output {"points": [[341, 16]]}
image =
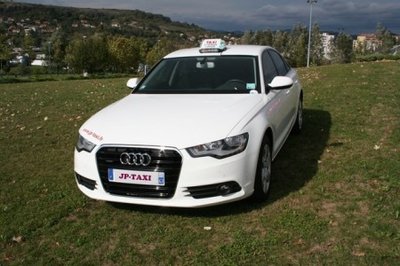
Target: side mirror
{"points": [[132, 83], [281, 83]]}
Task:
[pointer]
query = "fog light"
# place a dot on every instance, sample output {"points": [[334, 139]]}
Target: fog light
{"points": [[225, 189], [214, 190]]}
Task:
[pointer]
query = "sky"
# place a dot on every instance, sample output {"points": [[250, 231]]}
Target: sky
{"points": [[351, 16]]}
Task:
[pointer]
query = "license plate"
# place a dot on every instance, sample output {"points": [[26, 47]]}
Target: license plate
{"points": [[136, 177]]}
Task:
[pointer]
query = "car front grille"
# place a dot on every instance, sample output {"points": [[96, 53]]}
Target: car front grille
{"points": [[167, 161]]}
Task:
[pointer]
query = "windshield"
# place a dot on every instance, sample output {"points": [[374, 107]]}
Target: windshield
{"points": [[205, 74]]}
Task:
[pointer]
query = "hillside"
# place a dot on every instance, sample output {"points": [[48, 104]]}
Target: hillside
{"points": [[16, 18]]}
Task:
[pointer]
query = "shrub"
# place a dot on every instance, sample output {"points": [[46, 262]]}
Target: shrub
{"points": [[21, 69], [376, 57]]}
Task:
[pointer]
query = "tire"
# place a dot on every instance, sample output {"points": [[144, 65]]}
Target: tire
{"points": [[298, 125], [262, 180]]}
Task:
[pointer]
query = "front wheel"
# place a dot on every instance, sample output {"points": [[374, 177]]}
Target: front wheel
{"points": [[262, 181]]}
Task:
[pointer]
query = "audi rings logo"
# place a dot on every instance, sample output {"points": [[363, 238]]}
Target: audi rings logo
{"points": [[143, 159]]}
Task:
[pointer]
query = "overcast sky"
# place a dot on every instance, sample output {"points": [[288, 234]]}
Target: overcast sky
{"points": [[352, 16]]}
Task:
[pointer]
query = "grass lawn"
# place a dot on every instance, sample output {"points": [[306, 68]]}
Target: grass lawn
{"points": [[335, 193]]}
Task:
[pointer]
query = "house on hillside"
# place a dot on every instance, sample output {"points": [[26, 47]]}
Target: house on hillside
{"points": [[20, 59], [115, 24], [40, 56], [395, 50], [39, 62], [367, 42]]}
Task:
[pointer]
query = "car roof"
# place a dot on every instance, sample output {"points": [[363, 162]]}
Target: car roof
{"points": [[251, 50]]}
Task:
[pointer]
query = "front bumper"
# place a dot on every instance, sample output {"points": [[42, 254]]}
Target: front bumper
{"points": [[201, 182]]}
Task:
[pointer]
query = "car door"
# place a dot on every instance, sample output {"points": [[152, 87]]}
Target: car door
{"points": [[291, 96], [280, 115]]}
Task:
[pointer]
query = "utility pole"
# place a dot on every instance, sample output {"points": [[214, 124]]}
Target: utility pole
{"points": [[311, 2]]}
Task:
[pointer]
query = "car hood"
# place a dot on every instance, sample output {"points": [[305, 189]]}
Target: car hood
{"points": [[178, 121]]}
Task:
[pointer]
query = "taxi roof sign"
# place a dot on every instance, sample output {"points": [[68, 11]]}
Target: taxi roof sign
{"points": [[212, 46]]}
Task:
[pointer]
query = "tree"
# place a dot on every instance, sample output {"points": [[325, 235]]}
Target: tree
{"points": [[299, 52], [76, 55], [343, 49], [279, 41], [317, 49], [263, 37], [126, 53], [57, 48], [28, 44], [386, 37], [259, 37], [247, 37], [5, 51], [159, 50], [88, 54], [268, 38], [360, 48], [297, 49]]}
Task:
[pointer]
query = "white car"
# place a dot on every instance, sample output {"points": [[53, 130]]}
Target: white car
{"points": [[200, 129]]}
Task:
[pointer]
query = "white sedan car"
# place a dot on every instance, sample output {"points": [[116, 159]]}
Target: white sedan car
{"points": [[201, 128]]}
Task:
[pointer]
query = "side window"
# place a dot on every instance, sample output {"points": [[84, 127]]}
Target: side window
{"points": [[269, 68], [279, 63], [288, 67]]}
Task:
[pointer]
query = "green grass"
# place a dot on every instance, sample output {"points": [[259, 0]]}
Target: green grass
{"points": [[9, 78], [334, 200]]}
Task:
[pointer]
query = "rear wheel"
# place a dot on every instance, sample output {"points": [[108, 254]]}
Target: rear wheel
{"points": [[298, 125], [263, 176]]}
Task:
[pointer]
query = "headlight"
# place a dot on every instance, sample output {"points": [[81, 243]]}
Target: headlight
{"points": [[221, 148], [84, 145]]}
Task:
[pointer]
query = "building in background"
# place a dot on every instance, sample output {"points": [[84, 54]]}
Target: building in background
{"points": [[327, 44], [367, 42]]}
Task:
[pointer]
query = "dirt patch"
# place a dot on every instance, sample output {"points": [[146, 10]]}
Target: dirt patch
{"points": [[324, 247]]}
